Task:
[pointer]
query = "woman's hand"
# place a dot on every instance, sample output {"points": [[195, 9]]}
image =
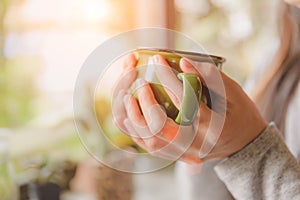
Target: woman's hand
{"points": [[231, 123], [127, 78]]}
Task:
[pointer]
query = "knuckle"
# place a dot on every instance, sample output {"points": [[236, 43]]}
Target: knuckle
{"points": [[156, 128]]}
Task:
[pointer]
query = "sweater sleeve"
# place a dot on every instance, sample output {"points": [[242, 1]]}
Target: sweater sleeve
{"points": [[264, 169]]}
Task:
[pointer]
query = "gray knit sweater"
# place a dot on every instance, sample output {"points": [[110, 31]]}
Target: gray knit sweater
{"points": [[265, 169], [207, 185]]}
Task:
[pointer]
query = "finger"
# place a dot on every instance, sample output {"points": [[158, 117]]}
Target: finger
{"points": [[204, 113], [188, 66], [191, 159], [134, 135], [151, 145], [196, 135], [203, 69], [169, 80], [209, 74], [125, 81], [178, 138], [162, 146], [169, 131], [218, 88], [130, 62], [134, 114], [136, 117], [132, 132], [154, 152], [209, 130], [154, 115], [128, 76], [119, 111]]}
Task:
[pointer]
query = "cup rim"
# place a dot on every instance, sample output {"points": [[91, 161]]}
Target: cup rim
{"points": [[189, 54]]}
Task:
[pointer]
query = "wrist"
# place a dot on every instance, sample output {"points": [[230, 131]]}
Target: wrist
{"points": [[252, 135]]}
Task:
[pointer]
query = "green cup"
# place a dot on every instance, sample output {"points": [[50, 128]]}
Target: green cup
{"points": [[193, 91]]}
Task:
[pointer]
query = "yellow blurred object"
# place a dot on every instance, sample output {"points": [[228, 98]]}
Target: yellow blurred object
{"points": [[110, 130]]}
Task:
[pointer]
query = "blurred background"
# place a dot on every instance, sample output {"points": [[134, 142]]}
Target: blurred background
{"points": [[43, 45]]}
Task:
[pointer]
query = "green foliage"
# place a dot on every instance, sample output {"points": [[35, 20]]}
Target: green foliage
{"points": [[17, 87]]}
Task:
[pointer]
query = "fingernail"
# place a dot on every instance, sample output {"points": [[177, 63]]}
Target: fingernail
{"points": [[130, 61], [186, 62], [183, 61], [136, 55]]}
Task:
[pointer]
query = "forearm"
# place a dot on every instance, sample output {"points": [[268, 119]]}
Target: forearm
{"points": [[265, 169]]}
